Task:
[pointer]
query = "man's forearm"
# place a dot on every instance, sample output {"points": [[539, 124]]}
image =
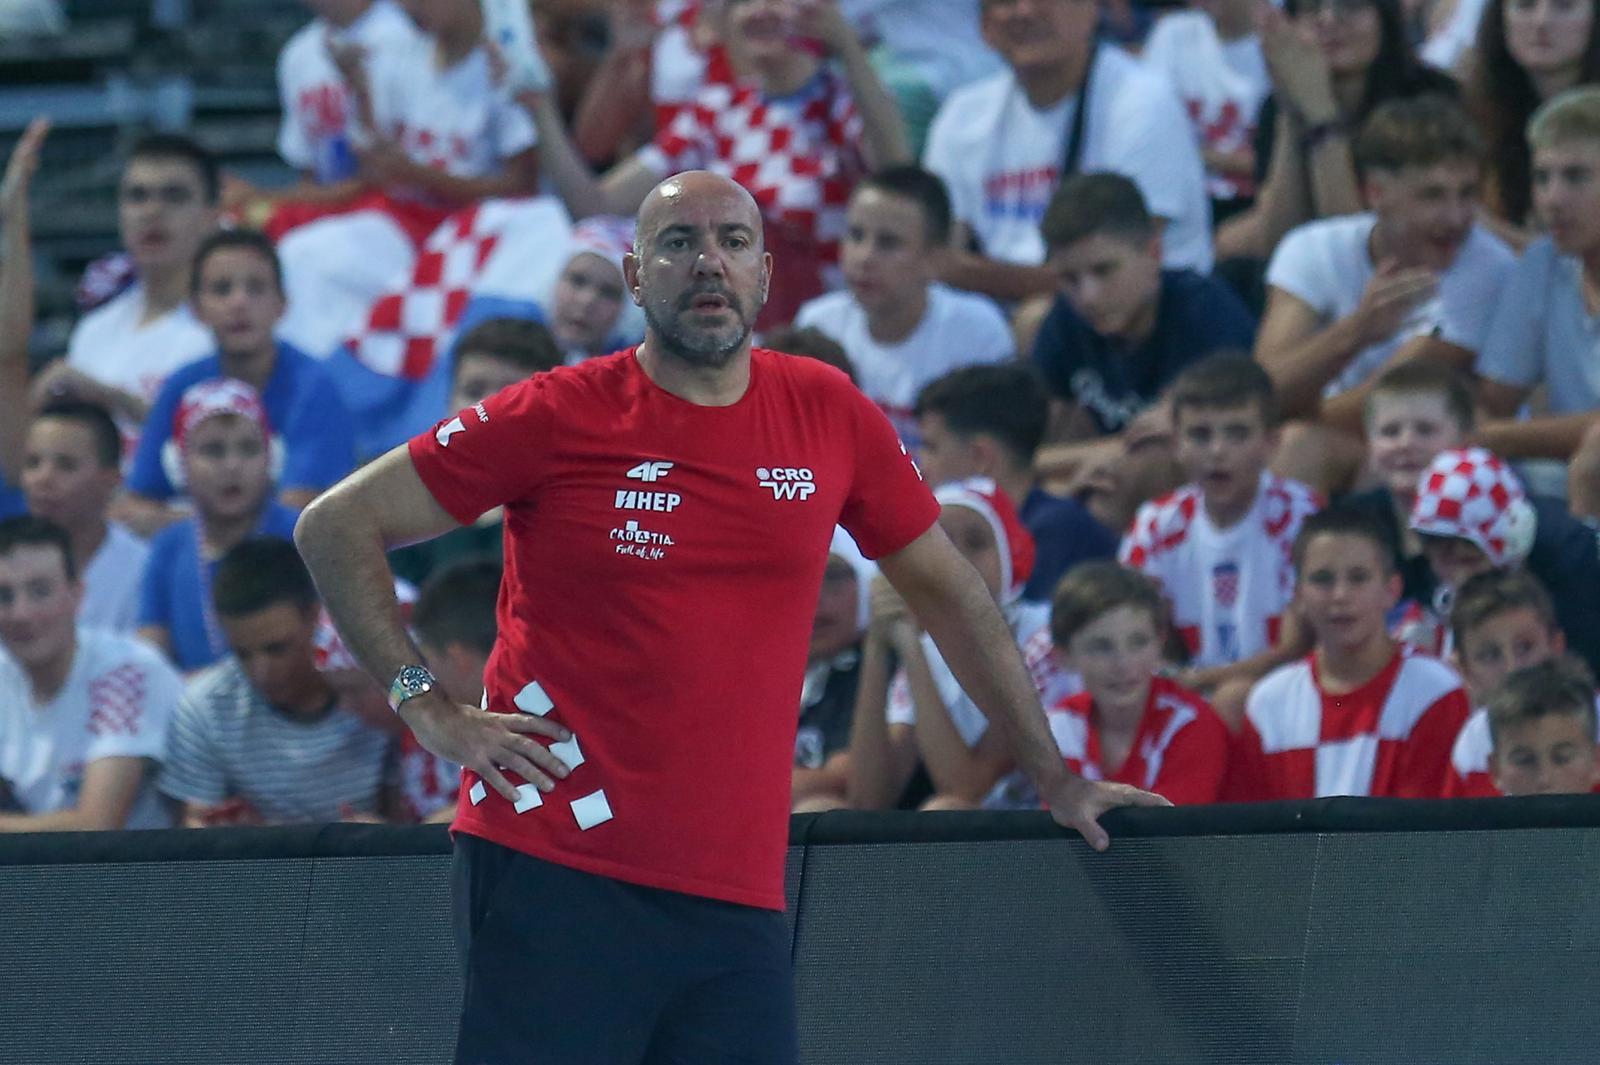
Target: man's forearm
{"points": [[981, 651], [883, 128], [1554, 436], [58, 821], [1300, 370], [991, 277], [344, 551]]}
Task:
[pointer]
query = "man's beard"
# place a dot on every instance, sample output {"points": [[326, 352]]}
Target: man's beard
{"points": [[711, 348]]}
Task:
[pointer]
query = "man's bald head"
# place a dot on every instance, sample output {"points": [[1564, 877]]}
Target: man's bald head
{"points": [[683, 196]]}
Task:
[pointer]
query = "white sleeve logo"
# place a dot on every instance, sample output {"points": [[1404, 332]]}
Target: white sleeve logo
{"points": [[449, 429]]}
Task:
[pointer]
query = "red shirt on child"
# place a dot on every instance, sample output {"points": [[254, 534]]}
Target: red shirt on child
{"points": [[1180, 750], [1390, 737]]}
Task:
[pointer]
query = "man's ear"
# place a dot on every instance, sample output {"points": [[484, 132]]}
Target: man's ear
{"points": [[766, 275], [630, 276]]}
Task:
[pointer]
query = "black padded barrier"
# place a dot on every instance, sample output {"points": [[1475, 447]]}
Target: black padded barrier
{"points": [[1338, 932]]}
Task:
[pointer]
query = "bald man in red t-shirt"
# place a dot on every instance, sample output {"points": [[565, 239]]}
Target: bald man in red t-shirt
{"points": [[668, 512]]}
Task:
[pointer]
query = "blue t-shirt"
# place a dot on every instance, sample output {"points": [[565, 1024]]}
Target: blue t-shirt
{"points": [[388, 409], [12, 502], [1064, 534], [302, 405], [177, 590], [1197, 316]]}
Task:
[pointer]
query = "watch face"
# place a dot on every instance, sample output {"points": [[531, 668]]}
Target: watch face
{"points": [[410, 681]]}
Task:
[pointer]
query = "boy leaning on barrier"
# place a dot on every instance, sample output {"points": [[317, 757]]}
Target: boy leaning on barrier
{"points": [[1542, 719], [1360, 715], [1501, 621], [1129, 724]]}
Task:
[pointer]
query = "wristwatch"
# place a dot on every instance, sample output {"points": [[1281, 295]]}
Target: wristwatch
{"points": [[409, 683]]}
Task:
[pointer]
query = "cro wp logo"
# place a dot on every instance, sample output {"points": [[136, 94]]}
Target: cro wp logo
{"points": [[787, 482]]}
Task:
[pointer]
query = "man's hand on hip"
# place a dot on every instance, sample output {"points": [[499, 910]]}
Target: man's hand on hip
{"points": [[1078, 803], [487, 743]]}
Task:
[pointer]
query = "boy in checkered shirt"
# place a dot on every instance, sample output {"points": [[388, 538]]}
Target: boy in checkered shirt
{"points": [[1219, 546], [1129, 724], [1360, 715], [1502, 621]]}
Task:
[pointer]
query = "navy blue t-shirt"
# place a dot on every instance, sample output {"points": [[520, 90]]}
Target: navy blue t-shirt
{"points": [[1197, 316], [1064, 534]]}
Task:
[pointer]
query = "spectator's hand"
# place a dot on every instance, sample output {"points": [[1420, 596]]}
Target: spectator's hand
{"points": [[889, 620], [231, 813], [633, 25], [1078, 803], [384, 163], [1392, 293], [351, 816], [487, 742], [59, 381], [1152, 426], [1299, 71], [823, 21], [20, 169]]}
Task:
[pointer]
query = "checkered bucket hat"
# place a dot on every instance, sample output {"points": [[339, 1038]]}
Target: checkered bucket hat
{"points": [[1473, 494]]}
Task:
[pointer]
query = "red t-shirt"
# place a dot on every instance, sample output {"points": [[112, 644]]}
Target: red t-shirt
{"points": [[1180, 750], [663, 565], [1390, 737]]}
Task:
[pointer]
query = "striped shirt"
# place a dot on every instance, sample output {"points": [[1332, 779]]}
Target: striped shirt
{"points": [[227, 742]]}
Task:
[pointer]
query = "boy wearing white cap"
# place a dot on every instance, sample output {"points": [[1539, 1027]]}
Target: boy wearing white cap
{"points": [[921, 713], [1473, 516], [224, 453]]}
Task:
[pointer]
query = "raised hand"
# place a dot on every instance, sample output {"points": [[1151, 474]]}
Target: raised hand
{"points": [[24, 163], [1390, 296]]}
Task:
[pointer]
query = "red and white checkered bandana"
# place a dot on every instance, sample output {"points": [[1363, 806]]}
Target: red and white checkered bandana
{"points": [[1473, 494], [221, 395]]}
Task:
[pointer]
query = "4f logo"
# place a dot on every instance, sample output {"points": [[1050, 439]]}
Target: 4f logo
{"points": [[787, 482], [650, 471]]}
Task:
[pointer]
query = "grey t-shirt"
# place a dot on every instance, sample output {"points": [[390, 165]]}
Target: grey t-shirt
{"points": [[1541, 332], [227, 742]]}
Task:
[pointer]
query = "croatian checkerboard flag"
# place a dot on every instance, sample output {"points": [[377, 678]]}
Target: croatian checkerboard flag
{"points": [[501, 257], [499, 247]]}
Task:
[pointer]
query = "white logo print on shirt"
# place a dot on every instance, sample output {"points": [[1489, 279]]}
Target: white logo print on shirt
{"points": [[449, 429], [787, 482], [649, 471]]}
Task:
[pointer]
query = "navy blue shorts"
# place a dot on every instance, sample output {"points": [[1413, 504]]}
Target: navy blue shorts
{"points": [[565, 967]]}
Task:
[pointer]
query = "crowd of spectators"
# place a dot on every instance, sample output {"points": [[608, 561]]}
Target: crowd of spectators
{"points": [[1249, 348]]}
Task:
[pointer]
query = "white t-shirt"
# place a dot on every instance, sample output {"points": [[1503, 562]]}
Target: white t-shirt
{"points": [[1228, 587], [1327, 264], [117, 702], [1001, 159], [112, 582], [942, 42], [455, 120], [312, 94], [111, 346], [1221, 86], [957, 329]]}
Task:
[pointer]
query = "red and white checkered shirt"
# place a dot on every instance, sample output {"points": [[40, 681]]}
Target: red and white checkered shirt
{"points": [[1228, 587], [799, 156], [1180, 750], [1390, 737]]}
